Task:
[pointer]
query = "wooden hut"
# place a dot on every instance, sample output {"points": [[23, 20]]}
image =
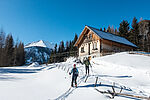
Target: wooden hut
{"points": [[93, 42]]}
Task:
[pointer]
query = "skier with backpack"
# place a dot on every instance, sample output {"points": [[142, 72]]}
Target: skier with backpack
{"points": [[87, 64], [75, 74]]}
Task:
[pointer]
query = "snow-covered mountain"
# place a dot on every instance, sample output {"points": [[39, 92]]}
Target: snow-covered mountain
{"points": [[40, 43], [38, 51]]}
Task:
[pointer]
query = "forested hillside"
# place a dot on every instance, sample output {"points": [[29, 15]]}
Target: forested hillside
{"points": [[11, 53]]}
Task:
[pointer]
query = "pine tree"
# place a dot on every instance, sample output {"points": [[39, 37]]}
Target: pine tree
{"points": [[109, 29], [123, 29], [70, 46], [75, 38], [2, 43], [74, 41], [61, 47], [101, 29], [11, 54], [16, 54], [9, 51], [52, 59], [104, 29], [144, 30], [55, 48], [67, 46], [2, 39], [21, 53], [116, 31], [112, 29], [134, 34], [148, 41]]}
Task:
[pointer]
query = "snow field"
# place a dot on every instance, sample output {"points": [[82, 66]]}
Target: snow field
{"points": [[127, 68], [36, 86], [53, 82]]}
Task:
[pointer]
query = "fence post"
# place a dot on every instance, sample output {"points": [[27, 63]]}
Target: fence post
{"points": [[68, 70], [96, 81], [100, 83], [113, 87], [121, 89], [86, 79], [114, 93], [64, 68]]}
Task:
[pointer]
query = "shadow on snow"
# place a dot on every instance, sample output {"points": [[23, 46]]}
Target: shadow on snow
{"points": [[8, 78], [102, 85], [24, 71], [126, 76]]}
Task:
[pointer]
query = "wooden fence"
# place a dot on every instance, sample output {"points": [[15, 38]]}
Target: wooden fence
{"points": [[59, 57], [140, 53]]}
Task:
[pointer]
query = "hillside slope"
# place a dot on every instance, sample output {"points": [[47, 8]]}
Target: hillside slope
{"points": [[131, 69], [41, 82]]}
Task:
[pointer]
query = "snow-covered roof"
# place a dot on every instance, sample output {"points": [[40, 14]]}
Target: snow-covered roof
{"points": [[111, 37]]}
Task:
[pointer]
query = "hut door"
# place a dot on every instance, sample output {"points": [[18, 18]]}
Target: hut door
{"points": [[89, 49]]}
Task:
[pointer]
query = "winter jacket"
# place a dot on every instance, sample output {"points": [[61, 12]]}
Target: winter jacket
{"points": [[74, 71], [87, 63]]}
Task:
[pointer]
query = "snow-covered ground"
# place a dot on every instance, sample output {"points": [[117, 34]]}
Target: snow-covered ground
{"points": [[127, 69], [130, 72]]}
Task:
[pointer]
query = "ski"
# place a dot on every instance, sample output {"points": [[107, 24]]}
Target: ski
{"points": [[86, 78]]}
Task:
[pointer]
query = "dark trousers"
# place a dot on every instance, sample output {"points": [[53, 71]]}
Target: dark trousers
{"points": [[74, 79], [87, 70]]}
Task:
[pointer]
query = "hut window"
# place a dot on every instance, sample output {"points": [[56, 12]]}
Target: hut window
{"points": [[90, 36], [82, 50], [94, 46]]}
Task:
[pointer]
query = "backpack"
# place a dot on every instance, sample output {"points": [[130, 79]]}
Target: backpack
{"points": [[75, 71], [87, 63]]}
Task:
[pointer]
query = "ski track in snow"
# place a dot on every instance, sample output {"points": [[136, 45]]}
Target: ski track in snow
{"points": [[71, 89], [94, 74]]}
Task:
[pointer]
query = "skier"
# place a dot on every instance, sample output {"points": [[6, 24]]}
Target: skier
{"points": [[75, 74], [87, 64]]}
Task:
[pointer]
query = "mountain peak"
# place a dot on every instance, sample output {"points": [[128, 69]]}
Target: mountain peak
{"points": [[40, 43]]}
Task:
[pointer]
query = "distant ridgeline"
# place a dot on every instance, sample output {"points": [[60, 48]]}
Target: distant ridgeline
{"points": [[38, 52]]}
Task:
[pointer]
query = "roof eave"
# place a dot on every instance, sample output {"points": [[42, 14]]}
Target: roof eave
{"points": [[94, 32], [76, 45]]}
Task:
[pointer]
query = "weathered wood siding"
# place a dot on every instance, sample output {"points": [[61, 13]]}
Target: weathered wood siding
{"points": [[110, 46], [94, 40]]}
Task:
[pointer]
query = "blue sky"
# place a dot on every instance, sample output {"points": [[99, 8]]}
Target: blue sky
{"points": [[56, 20]]}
